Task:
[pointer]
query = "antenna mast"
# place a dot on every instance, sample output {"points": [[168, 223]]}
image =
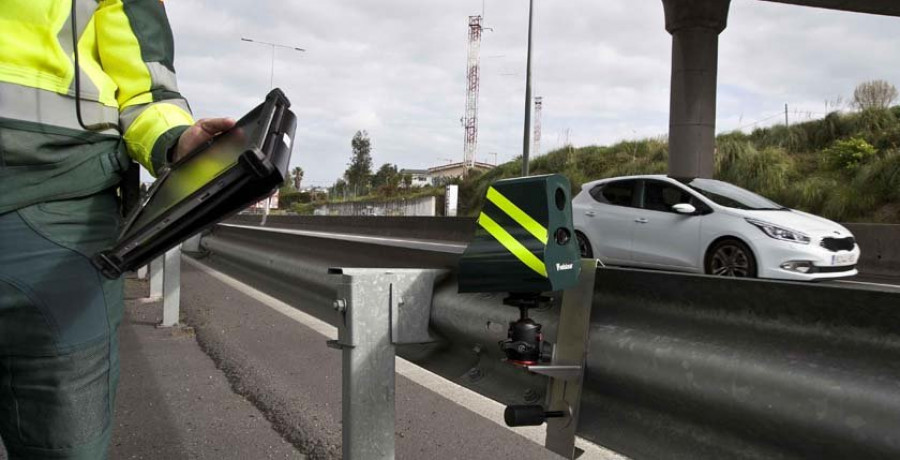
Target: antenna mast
{"points": [[473, 82]]}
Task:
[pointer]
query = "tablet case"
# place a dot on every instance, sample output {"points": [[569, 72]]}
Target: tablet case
{"points": [[261, 168]]}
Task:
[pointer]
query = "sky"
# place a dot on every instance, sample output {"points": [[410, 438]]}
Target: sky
{"points": [[397, 69]]}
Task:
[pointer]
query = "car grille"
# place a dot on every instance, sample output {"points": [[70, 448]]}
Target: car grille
{"points": [[838, 244]]}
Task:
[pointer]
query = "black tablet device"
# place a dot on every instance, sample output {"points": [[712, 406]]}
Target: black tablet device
{"points": [[235, 169]]}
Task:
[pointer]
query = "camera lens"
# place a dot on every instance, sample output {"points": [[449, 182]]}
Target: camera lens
{"points": [[560, 199], [563, 236]]}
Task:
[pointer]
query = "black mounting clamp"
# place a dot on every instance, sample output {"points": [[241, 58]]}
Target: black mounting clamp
{"points": [[565, 365]]}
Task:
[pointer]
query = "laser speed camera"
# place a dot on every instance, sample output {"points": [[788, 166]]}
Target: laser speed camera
{"points": [[525, 241]]}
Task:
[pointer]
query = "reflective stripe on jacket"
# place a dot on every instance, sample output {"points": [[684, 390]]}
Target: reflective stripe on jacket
{"points": [[128, 87]]}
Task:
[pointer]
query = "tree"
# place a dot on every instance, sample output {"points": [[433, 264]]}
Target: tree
{"points": [[338, 189], [297, 177], [875, 94], [359, 170], [386, 175]]}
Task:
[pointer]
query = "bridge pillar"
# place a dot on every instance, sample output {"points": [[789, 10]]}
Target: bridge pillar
{"points": [[695, 26]]}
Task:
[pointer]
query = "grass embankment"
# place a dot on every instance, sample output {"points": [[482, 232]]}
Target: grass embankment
{"points": [[845, 167]]}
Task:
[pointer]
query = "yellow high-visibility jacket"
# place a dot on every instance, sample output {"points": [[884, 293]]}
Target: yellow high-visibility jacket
{"points": [[129, 96]]}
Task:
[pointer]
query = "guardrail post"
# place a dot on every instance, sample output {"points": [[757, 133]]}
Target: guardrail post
{"points": [[172, 287], [156, 277], [192, 244], [380, 308]]}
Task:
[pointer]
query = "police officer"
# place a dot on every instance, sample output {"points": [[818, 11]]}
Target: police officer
{"points": [[67, 134]]}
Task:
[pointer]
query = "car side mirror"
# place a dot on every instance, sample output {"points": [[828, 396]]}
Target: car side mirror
{"points": [[684, 208]]}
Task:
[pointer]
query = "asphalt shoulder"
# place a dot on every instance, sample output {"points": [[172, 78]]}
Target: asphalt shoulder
{"points": [[286, 369], [174, 403]]}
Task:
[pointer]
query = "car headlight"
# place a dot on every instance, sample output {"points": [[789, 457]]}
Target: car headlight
{"points": [[780, 233]]}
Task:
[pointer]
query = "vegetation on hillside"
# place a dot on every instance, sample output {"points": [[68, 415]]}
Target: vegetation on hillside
{"points": [[845, 167]]}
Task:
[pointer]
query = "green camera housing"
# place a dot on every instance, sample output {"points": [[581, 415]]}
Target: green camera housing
{"points": [[525, 241]]}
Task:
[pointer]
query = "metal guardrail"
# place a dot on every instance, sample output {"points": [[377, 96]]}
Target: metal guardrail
{"points": [[679, 366], [880, 243]]}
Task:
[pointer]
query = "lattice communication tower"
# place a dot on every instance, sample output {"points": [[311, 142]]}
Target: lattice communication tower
{"points": [[473, 81]]}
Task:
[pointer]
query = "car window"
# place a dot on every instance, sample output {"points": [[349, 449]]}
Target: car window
{"points": [[732, 196], [661, 196], [619, 193]]}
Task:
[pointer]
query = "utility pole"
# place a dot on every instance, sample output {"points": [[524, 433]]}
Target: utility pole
{"points": [[272, 46], [538, 103], [271, 87], [786, 121], [526, 142]]}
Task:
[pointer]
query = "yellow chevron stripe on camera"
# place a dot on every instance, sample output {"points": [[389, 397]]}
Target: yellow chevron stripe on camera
{"points": [[518, 215], [512, 244]]}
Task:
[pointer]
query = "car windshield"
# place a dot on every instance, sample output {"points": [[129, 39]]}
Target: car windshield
{"points": [[732, 196]]}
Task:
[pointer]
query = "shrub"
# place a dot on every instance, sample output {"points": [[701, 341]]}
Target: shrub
{"points": [[846, 203], [896, 111], [794, 138], [848, 154], [809, 194], [880, 178], [557, 161], [766, 172]]}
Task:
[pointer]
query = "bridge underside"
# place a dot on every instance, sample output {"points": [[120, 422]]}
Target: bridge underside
{"points": [[695, 26], [885, 7]]}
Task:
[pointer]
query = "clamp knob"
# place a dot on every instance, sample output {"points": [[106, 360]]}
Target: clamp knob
{"points": [[529, 415]]}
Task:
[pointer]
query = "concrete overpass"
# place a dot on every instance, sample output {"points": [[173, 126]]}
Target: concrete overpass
{"points": [[884, 7], [695, 26]]}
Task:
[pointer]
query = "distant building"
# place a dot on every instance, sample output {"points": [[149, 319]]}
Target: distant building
{"points": [[271, 202], [315, 190], [420, 177], [440, 175], [454, 170]]}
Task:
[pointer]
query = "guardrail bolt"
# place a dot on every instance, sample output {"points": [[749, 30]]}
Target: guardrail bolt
{"points": [[340, 305]]}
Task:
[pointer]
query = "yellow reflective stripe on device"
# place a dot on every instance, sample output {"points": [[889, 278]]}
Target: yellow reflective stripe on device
{"points": [[518, 215], [512, 244]]}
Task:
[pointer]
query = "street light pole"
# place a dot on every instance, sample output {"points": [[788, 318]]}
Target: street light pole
{"points": [[271, 87], [273, 46], [526, 143]]}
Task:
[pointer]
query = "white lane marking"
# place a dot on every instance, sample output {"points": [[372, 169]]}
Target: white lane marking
{"points": [[893, 286], [455, 248], [472, 401], [307, 320]]}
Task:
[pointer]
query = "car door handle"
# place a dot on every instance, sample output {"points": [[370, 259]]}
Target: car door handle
{"points": [[590, 213], [642, 220]]}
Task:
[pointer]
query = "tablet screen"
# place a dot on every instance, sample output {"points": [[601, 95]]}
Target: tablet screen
{"points": [[199, 170]]}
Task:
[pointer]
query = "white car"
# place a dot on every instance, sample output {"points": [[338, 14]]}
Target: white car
{"points": [[707, 226]]}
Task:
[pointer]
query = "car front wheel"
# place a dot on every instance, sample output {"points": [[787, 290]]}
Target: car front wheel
{"points": [[584, 246], [730, 257]]}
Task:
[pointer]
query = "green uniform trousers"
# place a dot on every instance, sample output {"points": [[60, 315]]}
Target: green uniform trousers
{"points": [[58, 319]]}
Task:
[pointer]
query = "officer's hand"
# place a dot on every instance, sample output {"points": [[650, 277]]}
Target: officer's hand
{"points": [[202, 131]]}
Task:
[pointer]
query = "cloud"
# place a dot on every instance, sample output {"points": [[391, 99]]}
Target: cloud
{"points": [[396, 68]]}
